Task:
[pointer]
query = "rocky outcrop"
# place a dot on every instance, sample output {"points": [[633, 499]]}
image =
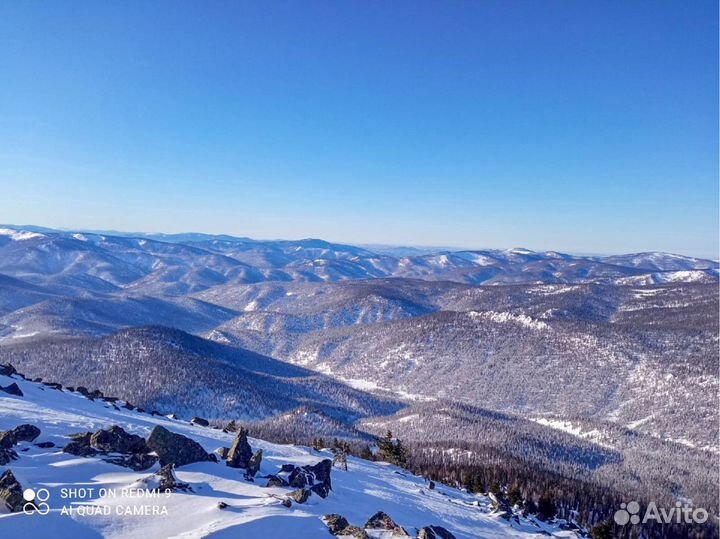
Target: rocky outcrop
{"points": [[434, 532], [200, 422], [116, 445], [240, 452], [11, 492], [382, 521], [116, 440], [172, 448]]}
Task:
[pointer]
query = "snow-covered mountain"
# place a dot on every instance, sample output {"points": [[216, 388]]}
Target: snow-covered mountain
{"points": [[187, 263], [88, 497]]}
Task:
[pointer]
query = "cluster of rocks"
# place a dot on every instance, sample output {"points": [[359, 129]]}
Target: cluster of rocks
{"points": [[132, 451], [117, 445], [380, 522], [9, 438], [307, 480]]}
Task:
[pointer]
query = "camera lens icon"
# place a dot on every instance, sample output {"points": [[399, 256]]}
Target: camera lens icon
{"points": [[35, 501]]}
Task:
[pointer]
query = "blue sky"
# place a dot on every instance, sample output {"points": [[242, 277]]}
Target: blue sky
{"points": [[578, 126]]}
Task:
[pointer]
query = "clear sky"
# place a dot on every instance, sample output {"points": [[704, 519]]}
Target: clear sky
{"points": [[569, 125]]}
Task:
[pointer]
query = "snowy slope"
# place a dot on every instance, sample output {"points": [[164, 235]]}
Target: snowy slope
{"points": [[253, 510]]}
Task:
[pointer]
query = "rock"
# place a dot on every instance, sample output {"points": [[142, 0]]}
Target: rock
{"points": [[168, 481], [222, 505], [80, 445], [286, 502], [335, 523], [45, 445], [431, 485], [321, 489], [253, 466], [382, 521], [53, 385], [276, 481], [7, 370], [7, 455], [173, 448], [116, 440], [240, 452], [200, 422], [7, 439], [300, 495], [11, 492], [287, 468], [12, 389], [299, 477], [354, 531], [321, 471], [222, 452], [25, 433], [434, 532], [136, 461]]}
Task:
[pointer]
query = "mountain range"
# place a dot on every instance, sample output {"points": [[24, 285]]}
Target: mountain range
{"points": [[351, 340]]}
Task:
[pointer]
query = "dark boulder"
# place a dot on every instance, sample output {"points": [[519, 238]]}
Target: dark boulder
{"points": [[200, 422], [287, 468], [116, 440], [174, 448], [11, 492], [434, 532], [321, 471], [335, 523], [45, 445], [222, 505], [12, 389], [286, 502], [25, 433], [321, 489], [240, 452]]}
